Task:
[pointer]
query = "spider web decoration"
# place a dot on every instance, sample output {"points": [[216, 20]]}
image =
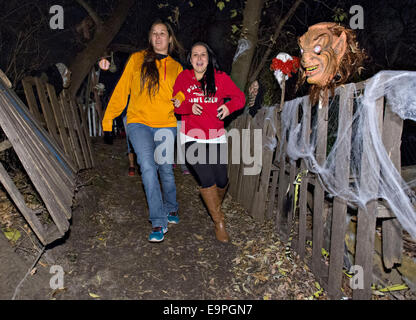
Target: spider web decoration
{"points": [[399, 91]]}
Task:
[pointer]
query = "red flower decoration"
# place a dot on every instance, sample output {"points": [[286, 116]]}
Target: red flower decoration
{"points": [[288, 67]]}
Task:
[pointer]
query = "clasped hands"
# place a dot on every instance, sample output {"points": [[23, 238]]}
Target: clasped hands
{"points": [[197, 109]]}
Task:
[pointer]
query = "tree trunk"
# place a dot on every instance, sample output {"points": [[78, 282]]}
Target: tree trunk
{"points": [[274, 38], [103, 36], [251, 22]]}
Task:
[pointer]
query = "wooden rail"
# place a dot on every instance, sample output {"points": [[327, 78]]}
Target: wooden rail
{"points": [[62, 118], [50, 171], [272, 193]]}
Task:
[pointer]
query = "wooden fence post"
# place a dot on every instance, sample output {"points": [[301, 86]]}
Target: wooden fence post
{"points": [[366, 223], [319, 194], [342, 174], [392, 232], [303, 193]]}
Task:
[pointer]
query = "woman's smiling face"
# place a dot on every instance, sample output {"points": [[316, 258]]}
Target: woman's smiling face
{"points": [[160, 39], [199, 60]]}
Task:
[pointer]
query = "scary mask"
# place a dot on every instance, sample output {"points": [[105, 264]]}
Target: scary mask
{"points": [[330, 56], [322, 52]]}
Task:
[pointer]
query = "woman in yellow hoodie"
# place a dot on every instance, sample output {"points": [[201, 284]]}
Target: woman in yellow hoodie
{"points": [[148, 78]]}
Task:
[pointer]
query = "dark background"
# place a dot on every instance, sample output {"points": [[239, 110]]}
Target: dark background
{"points": [[28, 44], [389, 32]]}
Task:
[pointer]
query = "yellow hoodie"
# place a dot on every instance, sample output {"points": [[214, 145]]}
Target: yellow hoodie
{"points": [[157, 111]]}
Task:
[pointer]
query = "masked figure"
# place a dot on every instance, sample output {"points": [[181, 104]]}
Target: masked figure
{"points": [[330, 56]]}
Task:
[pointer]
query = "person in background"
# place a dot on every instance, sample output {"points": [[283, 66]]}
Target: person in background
{"points": [[199, 96], [149, 77], [58, 75], [255, 100]]}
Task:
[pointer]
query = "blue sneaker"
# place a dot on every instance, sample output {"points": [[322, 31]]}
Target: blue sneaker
{"points": [[157, 234], [173, 217]]}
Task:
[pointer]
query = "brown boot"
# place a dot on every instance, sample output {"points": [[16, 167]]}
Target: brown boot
{"points": [[222, 192], [212, 201]]}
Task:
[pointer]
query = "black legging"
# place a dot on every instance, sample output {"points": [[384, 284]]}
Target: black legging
{"points": [[211, 172]]}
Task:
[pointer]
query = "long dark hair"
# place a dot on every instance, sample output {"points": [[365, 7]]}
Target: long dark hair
{"points": [[208, 80], [149, 73]]}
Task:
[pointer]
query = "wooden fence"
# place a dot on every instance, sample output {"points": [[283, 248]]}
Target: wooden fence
{"points": [[50, 136], [62, 117], [50, 171], [318, 220]]}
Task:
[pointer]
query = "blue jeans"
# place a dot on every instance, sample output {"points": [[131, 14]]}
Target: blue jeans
{"points": [[155, 156]]}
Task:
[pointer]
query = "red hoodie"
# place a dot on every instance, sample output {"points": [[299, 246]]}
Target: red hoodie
{"points": [[187, 90]]}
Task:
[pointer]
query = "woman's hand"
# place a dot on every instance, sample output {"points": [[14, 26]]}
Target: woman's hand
{"points": [[197, 109], [223, 112], [176, 103]]}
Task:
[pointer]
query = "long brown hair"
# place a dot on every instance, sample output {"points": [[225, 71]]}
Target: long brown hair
{"points": [[149, 73]]}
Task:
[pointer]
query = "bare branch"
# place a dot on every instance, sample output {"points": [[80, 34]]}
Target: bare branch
{"points": [[94, 16], [273, 40]]}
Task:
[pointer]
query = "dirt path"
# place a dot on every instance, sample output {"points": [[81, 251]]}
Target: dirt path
{"points": [[106, 255]]}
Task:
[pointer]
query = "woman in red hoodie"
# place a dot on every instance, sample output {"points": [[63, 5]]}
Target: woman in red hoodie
{"points": [[199, 96]]}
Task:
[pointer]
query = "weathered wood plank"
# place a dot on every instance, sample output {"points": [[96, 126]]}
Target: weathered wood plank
{"points": [[80, 132], [48, 157], [292, 176], [233, 169], [4, 145], [262, 183], [58, 181], [342, 173], [319, 194], [241, 177], [33, 171], [250, 181], [392, 240], [18, 200], [47, 111], [31, 101], [283, 184], [56, 107], [69, 121], [5, 79], [272, 192], [392, 233], [42, 134], [365, 248], [84, 127], [303, 193], [366, 222], [48, 169]]}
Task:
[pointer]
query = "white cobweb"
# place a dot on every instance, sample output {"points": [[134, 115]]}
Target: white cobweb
{"points": [[243, 46], [399, 90]]}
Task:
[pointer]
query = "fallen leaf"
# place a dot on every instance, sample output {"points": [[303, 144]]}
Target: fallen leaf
{"points": [[198, 237], [12, 234]]}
